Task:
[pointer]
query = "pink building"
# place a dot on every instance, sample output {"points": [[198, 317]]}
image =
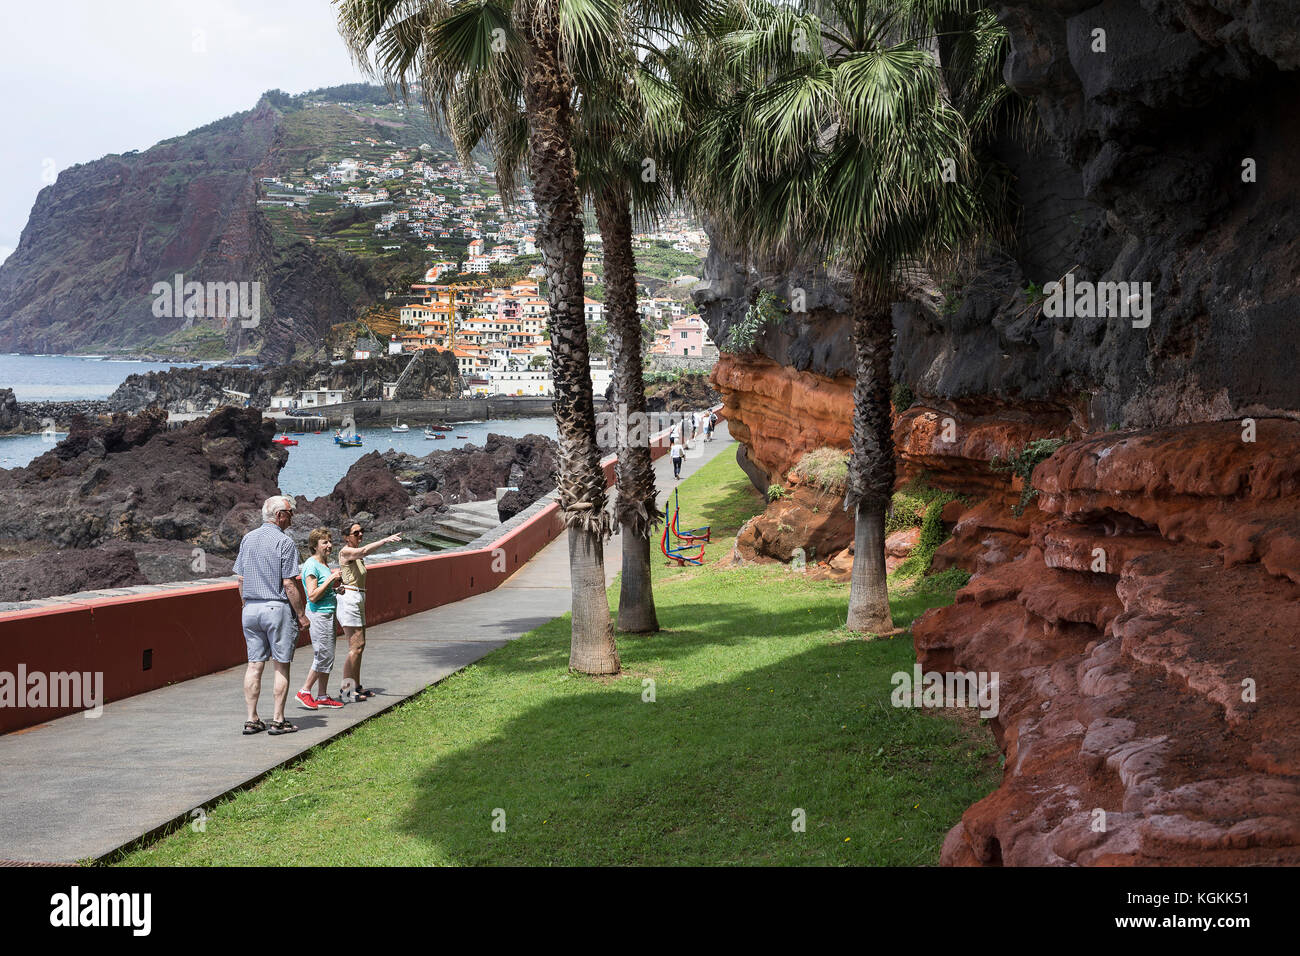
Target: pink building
{"points": [[687, 336]]}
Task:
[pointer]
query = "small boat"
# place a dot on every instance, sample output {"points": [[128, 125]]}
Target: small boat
{"points": [[347, 443], [458, 436], [399, 427], [430, 434], [286, 441], [437, 428]]}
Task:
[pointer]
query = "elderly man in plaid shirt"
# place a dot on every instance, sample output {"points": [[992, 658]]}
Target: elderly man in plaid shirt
{"points": [[273, 609]]}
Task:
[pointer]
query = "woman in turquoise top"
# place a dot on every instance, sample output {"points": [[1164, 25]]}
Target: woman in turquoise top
{"points": [[318, 581]]}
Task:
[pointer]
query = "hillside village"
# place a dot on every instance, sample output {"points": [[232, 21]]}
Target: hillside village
{"points": [[482, 296]]}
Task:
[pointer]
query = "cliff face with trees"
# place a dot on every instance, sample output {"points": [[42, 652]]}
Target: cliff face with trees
{"points": [[105, 232], [1151, 583], [1169, 158]]}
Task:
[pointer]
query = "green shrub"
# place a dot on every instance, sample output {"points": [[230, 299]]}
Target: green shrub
{"points": [[910, 501], [947, 581], [1023, 462], [765, 310], [917, 564], [774, 492], [827, 468], [902, 397]]}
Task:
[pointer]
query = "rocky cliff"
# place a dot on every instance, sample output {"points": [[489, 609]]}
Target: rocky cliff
{"points": [[105, 232], [1144, 642], [1140, 174], [1165, 154]]}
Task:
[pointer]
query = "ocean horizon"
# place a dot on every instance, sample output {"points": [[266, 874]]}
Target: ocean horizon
{"points": [[39, 377]]}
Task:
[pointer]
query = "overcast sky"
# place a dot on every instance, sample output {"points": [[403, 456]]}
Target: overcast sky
{"points": [[82, 78]]}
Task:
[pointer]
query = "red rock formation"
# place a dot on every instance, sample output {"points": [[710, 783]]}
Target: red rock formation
{"points": [[1146, 644], [781, 414], [805, 518], [955, 446]]}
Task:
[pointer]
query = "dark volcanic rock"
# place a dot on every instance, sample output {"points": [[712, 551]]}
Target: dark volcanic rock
{"points": [[511, 503], [201, 389], [687, 394], [69, 571], [162, 562], [394, 492], [12, 418], [370, 486], [1139, 179], [471, 473], [131, 479]]}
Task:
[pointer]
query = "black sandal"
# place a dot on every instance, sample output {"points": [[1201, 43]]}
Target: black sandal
{"points": [[362, 693], [281, 727], [253, 727]]}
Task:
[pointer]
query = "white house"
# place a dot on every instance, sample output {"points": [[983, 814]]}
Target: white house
{"points": [[316, 397], [525, 381]]}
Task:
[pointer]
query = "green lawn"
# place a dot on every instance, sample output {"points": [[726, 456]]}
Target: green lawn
{"points": [[763, 706]]}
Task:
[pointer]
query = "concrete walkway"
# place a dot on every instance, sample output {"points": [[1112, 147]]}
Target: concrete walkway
{"points": [[79, 788]]}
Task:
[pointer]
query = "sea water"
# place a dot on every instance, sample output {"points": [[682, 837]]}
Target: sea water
{"points": [[69, 378], [315, 465]]}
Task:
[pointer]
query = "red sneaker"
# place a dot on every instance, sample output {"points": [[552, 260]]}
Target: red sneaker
{"points": [[306, 700], [328, 701]]}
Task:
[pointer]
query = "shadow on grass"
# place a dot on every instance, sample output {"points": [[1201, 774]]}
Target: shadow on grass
{"points": [[712, 773]]}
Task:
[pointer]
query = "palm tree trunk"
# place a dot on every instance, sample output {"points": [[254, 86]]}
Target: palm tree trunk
{"points": [[871, 468], [635, 507], [581, 483]]}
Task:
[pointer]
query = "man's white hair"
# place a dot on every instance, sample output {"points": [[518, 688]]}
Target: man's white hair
{"points": [[271, 506]]}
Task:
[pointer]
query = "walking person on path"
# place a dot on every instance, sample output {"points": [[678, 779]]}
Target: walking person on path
{"points": [[676, 453], [352, 602], [318, 581], [710, 423], [273, 609]]}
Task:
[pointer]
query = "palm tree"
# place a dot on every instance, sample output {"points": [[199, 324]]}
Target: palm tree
{"points": [[833, 128], [470, 51], [629, 123]]}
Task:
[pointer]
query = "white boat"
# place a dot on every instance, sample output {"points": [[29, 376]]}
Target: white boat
{"points": [[399, 427]]}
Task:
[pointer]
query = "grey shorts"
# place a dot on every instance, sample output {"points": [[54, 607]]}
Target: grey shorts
{"points": [[322, 640], [270, 630]]}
